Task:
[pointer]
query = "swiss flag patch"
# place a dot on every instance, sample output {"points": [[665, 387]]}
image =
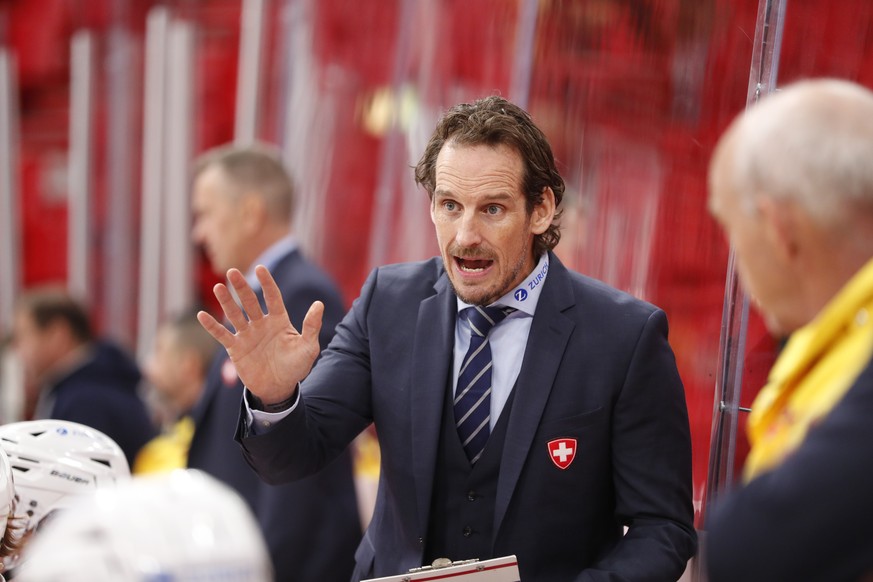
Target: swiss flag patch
{"points": [[562, 452]]}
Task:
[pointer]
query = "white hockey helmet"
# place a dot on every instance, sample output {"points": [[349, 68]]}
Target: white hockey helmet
{"points": [[55, 460], [169, 527]]}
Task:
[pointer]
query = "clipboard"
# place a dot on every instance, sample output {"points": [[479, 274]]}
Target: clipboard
{"points": [[503, 569]]}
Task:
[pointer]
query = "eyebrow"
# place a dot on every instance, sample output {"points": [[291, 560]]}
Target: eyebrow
{"points": [[496, 197], [441, 192]]}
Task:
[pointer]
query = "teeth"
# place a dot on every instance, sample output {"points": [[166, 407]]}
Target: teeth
{"points": [[466, 267]]}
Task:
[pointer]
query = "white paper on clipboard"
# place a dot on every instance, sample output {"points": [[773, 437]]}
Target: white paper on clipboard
{"points": [[504, 569]]}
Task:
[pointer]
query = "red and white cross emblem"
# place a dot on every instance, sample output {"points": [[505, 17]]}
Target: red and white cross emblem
{"points": [[562, 452]]}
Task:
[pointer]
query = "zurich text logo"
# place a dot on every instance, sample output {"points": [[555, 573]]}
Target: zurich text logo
{"points": [[520, 295]]}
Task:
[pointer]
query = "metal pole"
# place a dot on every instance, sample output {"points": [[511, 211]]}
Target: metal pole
{"points": [[10, 235], [12, 394], [80, 174], [152, 179], [525, 35], [762, 80], [307, 126], [118, 292], [248, 86], [383, 229], [177, 250]]}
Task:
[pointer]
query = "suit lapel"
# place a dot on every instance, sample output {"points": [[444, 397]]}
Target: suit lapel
{"points": [[431, 361], [549, 334], [214, 382]]}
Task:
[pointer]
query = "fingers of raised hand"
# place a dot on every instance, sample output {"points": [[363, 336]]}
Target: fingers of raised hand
{"points": [[215, 329], [231, 310], [312, 322], [246, 295], [272, 295]]}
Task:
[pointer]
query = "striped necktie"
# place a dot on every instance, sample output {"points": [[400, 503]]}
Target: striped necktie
{"points": [[472, 402]]}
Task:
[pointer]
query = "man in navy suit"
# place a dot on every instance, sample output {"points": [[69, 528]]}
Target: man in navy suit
{"points": [[583, 413], [242, 207]]}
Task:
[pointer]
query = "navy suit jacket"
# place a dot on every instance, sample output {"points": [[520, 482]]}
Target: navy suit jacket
{"points": [[808, 518], [597, 368], [311, 527]]}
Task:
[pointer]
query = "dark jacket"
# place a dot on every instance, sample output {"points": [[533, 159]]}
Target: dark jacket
{"points": [[808, 518], [102, 393]]}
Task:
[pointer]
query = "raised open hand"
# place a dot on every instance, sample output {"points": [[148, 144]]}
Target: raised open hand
{"points": [[270, 355]]}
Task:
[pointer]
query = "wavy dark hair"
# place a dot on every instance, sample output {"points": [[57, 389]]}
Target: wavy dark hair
{"points": [[495, 121]]}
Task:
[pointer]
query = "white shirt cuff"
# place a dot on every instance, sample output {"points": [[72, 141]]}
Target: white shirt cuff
{"points": [[259, 421]]}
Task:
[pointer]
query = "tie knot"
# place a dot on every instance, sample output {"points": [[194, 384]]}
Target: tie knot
{"points": [[482, 319]]}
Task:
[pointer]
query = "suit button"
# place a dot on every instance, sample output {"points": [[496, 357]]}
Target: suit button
{"points": [[471, 496], [468, 531]]}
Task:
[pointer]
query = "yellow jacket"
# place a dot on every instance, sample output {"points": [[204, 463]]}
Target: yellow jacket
{"points": [[817, 367]]}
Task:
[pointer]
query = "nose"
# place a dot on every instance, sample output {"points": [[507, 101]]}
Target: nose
{"points": [[469, 234]]}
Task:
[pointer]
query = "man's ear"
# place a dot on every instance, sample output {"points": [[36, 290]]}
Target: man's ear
{"points": [[252, 211], [781, 222], [543, 213]]}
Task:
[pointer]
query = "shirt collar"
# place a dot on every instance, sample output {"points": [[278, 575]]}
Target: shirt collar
{"points": [[270, 258], [525, 296]]}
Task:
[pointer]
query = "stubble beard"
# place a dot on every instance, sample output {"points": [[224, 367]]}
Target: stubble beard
{"points": [[492, 294]]}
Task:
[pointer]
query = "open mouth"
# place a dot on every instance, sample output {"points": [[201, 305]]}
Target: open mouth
{"points": [[473, 265]]}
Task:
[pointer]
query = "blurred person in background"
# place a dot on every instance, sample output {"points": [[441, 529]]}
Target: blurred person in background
{"points": [[52, 463], [80, 377], [176, 370], [575, 430], [242, 205], [791, 182], [177, 526]]}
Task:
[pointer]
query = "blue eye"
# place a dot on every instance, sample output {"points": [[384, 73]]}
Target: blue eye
{"points": [[493, 209]]}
